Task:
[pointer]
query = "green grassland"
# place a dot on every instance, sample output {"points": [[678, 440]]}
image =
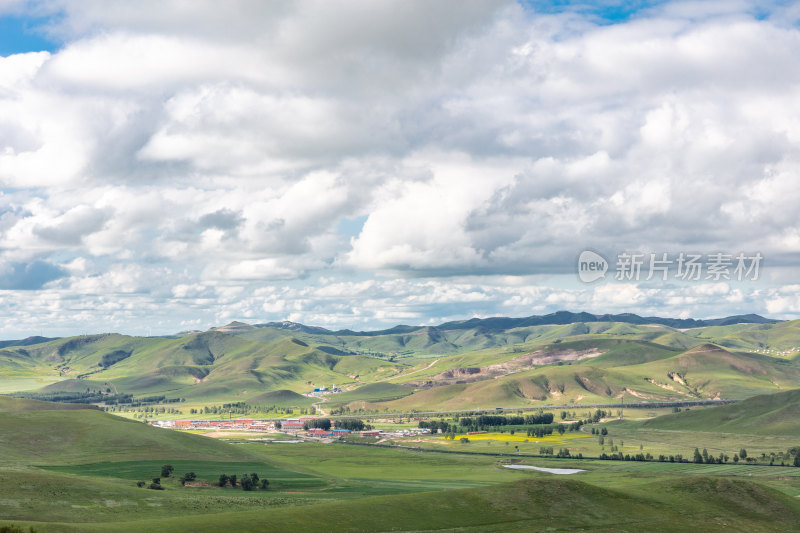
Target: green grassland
{"points": [[772, 414], [49, 433], [626, 437], [72, 468], [764, 425]]}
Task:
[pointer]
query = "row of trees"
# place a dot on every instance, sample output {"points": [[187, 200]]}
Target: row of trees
{"points": [[541, 424], [698, 457], [243, 408], [502, 420], [707, 458], [86, 397], [619, 456], [248, 482], [352, 424]]}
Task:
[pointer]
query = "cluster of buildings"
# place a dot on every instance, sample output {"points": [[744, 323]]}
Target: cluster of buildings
{"points": [[238, 424], [289, 425], [320, 391]]}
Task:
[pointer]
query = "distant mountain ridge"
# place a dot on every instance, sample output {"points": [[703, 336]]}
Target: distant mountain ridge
{"points": [[29, 341], [505, 323], [485, 324]]}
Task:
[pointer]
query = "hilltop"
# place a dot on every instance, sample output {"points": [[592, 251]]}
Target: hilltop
{"points": [[506, 323], [555, 358]]}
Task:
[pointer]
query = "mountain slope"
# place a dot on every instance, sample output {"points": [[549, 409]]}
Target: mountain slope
{"points": [[769, 414], [48, 433], [531, 362]]}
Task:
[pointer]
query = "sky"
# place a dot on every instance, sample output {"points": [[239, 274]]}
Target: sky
{"points": [[170, 165]]}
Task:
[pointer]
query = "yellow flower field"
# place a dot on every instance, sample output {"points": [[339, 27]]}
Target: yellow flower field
{"points": [[550, 440]]}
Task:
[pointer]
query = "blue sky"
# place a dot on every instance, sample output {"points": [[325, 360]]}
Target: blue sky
{"points": [[609, 12], [20, 34], [168, 166]]}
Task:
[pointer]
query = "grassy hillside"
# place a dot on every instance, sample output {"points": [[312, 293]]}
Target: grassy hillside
{"points": [[34, 432], [636, 371], [770, 414], [467, 364], [14, 405], [283, 398], [213, 365], [530, 505]]}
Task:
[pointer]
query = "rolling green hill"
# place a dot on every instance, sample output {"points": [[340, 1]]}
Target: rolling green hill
{"points": [[33, 432], [527, 505], [212, 366], [770, 414], [465, 364], [634, 371]]}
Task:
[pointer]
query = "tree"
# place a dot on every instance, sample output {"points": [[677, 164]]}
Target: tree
{"points": [[743, 453], [322, 423], [140, 484], [156, 484], [697, 457], [797, 460], [166, 470], [265, 483], [604, 431], [278, 425], [223, 480], [354, 424], [232, 480], [247, 482], [254, 477]]}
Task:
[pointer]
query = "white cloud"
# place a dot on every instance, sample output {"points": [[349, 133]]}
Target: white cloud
{"points": [[206, 152]]}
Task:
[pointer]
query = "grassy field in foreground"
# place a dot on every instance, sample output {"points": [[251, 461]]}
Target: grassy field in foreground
{"points": [[338, 487], [720, 505]]}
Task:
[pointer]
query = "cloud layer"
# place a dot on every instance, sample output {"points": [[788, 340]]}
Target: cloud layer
{"points": [[360, 164]]}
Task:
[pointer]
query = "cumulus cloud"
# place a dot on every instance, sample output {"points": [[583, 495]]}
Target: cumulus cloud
{"points": [[206, 153]]}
